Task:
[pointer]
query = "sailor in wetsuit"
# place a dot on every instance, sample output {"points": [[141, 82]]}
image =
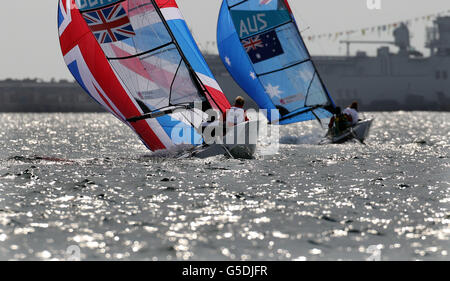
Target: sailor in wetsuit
{"points": [[339, 122]]}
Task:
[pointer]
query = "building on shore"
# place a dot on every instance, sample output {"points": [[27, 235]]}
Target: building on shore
{"points": [[32, 95], [406, 80]]}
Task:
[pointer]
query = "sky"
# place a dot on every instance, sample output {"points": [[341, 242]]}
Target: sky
{"points": [[30, 46]]}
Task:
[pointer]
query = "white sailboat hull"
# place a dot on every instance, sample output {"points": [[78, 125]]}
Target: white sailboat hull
{"points": [[360, 132], [239, 142]]}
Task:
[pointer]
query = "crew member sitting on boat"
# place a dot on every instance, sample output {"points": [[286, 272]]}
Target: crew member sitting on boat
{"points": [[236, 114], [339, 122], [352, 113]]}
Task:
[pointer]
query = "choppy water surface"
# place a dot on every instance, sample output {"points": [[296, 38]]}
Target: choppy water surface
{"points": [[86, 180]]}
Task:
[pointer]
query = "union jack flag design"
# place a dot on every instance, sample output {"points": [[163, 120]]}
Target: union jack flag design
{"points": [[110, 24], [252, 44], [115, 91], [263, 47]]}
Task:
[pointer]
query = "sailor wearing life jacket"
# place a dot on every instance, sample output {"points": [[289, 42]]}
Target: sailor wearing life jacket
{"points": [[339, 122], [236, 114], [352, 112]]}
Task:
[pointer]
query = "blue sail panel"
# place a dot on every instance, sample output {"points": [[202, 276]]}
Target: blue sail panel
{"points": [[248, 23], [261, 46], [237, 62]]}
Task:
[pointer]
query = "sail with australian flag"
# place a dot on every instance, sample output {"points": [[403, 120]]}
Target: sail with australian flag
{"points": [[138, 59], [261, 46]]}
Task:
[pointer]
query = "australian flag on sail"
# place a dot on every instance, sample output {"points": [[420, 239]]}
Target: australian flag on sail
{"points": [[263, 47], [109, 24]]}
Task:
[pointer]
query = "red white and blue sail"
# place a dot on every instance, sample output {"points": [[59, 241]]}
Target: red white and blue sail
{"points": [[261, 46], [138, 57]]}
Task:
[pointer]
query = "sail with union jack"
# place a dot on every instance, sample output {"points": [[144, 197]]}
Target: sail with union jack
{"points": [[138, 60], [110, 24]]}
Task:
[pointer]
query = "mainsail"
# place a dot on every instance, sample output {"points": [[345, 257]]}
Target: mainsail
{"points": [[261, 46], [137, 58]]}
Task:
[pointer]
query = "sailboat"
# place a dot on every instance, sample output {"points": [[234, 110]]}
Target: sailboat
{"points": [[262, 48], [138, 59]]}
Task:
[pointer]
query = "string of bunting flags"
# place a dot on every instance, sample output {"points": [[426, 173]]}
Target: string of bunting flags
{"points": [[374, 29]]}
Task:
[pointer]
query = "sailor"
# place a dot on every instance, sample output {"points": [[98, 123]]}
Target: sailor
{"points": [[352, 113], [236, 114], [339, 122]]}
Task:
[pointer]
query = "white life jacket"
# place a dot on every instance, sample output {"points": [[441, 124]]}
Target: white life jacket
{"points": [[235, 115], [353, 113]]}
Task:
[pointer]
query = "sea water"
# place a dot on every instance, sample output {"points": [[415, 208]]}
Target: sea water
{"points": [[82, 186]]}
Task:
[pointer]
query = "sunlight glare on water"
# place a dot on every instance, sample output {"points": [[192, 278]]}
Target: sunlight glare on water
{"points": [[85, 180]]}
